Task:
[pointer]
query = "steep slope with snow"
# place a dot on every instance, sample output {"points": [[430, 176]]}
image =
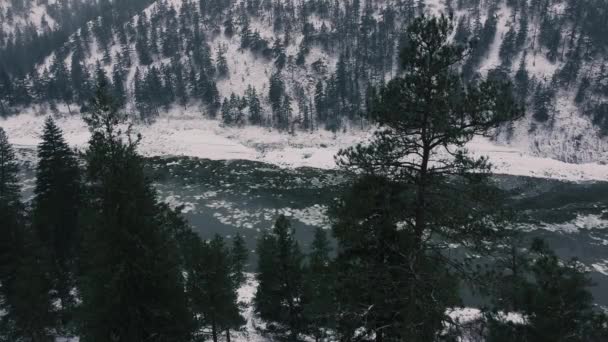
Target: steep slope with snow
{"points": [[26, 15], [307, 65]]}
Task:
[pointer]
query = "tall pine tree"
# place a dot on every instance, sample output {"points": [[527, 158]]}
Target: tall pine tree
{"points": [[440, 194], [24, 270], [55, 213], [132, 286], [279, 297]]}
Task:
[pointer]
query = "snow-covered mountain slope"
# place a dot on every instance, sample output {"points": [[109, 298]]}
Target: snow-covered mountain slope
{"points": [[186, 134], [25, 15], [210, 56]]}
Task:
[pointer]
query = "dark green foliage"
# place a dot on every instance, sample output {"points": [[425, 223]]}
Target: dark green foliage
{"points": [[508, 48], [239, 257], [30, 313], [550, 36], [412, 202], [569, 72], [319, 310], [24, 270], [522, 82], [55, 214], [9, 184], [380, 287], [543, 102], [280, 103], [278, 299], [222, 63], [552, 295], [482, 40], [211, 287], [132, 287], [254, 105]]}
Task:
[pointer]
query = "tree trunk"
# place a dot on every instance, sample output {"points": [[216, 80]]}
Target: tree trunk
{"points": [[379, 337], [227, 335], [214, 331]]}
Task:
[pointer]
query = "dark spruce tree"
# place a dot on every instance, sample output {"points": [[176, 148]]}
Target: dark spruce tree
{"points": [[254, 105], [25, 286], [211, 288], [239, 257], [386, 288], [55, 212], [132, 286], [11, 209], [221, 310], [279, 296], [319, 287], [438, 193], [552, 295]]}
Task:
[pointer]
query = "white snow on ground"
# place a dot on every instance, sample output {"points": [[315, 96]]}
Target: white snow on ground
{"points": [[601, 267], [250, 332], [188, 134], [580, 223], [464, 315]]}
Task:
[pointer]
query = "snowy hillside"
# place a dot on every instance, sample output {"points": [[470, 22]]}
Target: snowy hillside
{"points": [[309, 65], [23, 16]]}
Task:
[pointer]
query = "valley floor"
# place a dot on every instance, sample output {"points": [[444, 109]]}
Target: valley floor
{"points": [[188, 134]]}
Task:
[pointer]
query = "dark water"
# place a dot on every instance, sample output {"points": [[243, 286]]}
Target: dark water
{"points": [[226, 197]]}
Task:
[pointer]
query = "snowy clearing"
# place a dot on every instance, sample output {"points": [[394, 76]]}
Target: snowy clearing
{"points": [[188, 134]]}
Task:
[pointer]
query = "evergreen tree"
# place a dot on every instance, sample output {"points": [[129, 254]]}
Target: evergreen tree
{"points": [[279, 295], [60, 86], [508, 47], [78, 75], [238, 260], [553, 296], [426, 110], [11, 224], [210, 286], [24, 283], [284, 114], [221, 307], [320, 101], [236, 109], [318, 284], [276, 91], [279, 53], [222, 63], [118, 88], [255, 107], [559, 305], [522, 82], [227, 112], [55, 214], [9, 184], [132, 287], [30, 313], [543, 102]]}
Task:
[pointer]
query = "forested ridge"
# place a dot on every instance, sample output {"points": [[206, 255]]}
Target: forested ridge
{"points": [[294, 64]]}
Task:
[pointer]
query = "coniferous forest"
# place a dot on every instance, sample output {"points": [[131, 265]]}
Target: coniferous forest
{"points": [[96, 255], [322, 59]]}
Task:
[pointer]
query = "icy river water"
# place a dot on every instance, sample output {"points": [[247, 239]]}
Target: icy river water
{"points": [[226, 197]]}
